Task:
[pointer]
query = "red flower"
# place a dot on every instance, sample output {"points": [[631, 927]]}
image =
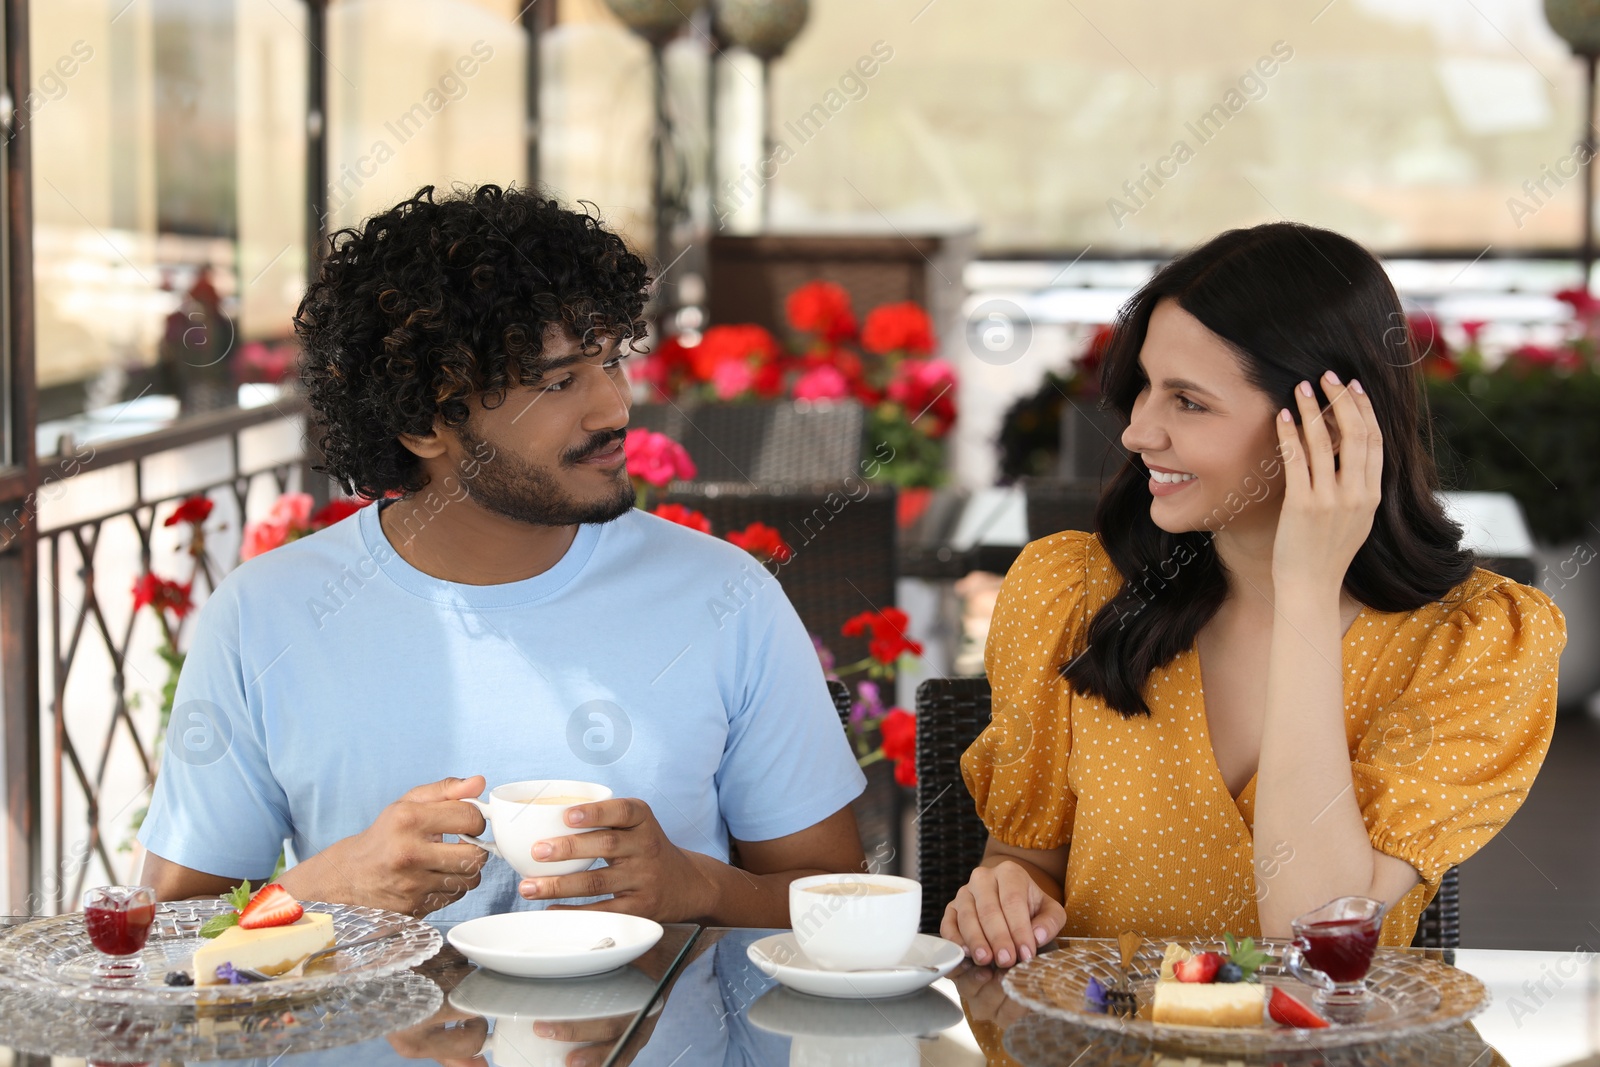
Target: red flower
{"points": [[683, 516], [1543, 357], [159, 593], [335, 511], [905, 773], [1472, 329], [823, 309], [656, 459], [666, 368], [762, 542], [1584, 304], [899, 731], [196, 510], [902, 327], [748, 343], [888, 629], [926, 389]]}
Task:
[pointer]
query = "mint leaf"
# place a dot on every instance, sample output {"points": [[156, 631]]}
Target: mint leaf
{"points": [[218, 923], [238, 896], [1245, 954]]}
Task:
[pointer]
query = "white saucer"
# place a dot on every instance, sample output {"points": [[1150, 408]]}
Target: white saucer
{"points": [[801, 975], [554, 944]]}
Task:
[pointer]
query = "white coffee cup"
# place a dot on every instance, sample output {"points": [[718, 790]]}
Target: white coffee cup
{"points": [[524, 813], [852, 922]]}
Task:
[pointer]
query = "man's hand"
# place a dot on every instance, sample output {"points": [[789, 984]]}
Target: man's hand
{"points": [[647, 874], [451, 1037], [1002, 915], [402, 861]]}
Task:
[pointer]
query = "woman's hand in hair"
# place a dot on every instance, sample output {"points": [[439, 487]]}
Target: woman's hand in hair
{"points": [[1002, 916], [1327, 511]]}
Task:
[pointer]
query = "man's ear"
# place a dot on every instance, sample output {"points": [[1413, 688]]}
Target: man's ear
{"points": [[424, 446]]}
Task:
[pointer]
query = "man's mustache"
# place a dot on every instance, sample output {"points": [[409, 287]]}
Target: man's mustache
{"points": [[595, 445]]}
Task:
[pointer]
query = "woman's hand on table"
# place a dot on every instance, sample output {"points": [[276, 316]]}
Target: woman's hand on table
{"points": [[402, 861], [984, 997], [1002, 916], [645, 873]]}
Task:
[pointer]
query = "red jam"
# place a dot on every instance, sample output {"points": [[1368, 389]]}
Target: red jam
{"points": [[1342, 949], [119, 931]]}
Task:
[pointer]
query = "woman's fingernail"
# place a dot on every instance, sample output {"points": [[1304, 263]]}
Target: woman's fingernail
{"points": [[1332, 377], [575, 816], [1305, 389], [544, 1029], [1024, 953], [981, 955], [542, 850], [1356, 385], [1285, 416], [1005, 958], [1038, 931]]}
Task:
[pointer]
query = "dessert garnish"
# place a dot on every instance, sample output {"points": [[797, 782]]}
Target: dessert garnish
{"points": [[179, 978], [1285, 1009], [271, 905], [1238, 965]]}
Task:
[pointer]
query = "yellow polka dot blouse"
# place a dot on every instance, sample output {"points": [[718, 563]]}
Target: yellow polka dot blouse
{"points": [[1451, 709]]}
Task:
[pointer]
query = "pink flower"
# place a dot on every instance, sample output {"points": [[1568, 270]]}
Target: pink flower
{"points": [[823, 382], [294, 509], [732, 378], [926, 389], [263, 536], [656, 459]]}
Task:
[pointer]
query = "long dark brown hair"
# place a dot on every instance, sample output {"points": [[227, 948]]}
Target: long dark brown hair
{"points": [[1292, 301]]}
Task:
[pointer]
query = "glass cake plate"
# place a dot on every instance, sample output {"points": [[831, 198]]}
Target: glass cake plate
{"points": [[33, 1020], [1410, 994], [55, 956]]}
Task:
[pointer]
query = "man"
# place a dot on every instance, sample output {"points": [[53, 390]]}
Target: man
{"points": [[503, 614]]}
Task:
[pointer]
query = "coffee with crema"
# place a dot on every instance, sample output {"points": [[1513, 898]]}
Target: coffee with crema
{"points": [[853, 889], [560, 800]]}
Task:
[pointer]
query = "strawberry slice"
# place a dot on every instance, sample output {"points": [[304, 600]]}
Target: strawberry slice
{"points": [[271, 906], [1199, 968], [1290, 1012]]}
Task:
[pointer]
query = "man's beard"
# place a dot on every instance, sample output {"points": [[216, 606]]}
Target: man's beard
{"points": [[516, 489]]}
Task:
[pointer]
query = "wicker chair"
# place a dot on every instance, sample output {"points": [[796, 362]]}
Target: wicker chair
{"points": [[951, 713], [763, 444], [844, 547]]}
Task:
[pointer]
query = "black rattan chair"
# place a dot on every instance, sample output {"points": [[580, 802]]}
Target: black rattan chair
{"points": [[951, 713], [843, 537], [781, 443]]}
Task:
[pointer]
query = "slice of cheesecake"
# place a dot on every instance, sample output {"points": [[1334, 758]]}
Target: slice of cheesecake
{"points": [[271, 950], [1209, 1004]]}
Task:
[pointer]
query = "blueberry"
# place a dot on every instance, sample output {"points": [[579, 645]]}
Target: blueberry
{"points": [[1230, 972], [179, 978]]}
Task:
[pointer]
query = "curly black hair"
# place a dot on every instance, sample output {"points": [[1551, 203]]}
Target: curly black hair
{"points": [[435, 302]]}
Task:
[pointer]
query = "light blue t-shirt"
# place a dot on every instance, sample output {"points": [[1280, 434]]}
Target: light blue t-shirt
{"points": [[327, 677]]}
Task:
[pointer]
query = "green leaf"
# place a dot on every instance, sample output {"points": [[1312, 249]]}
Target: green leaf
{"points": [[1246, 954], [238, 896], [218, 923]]}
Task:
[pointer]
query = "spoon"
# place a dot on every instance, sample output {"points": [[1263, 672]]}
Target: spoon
{"points": [[298, 970]]}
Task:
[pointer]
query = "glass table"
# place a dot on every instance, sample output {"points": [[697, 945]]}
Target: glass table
{"points": [[696, 999]]}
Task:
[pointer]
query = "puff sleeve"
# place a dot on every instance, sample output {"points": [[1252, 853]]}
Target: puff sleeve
{"points": [[1017, 769], [1443, 765]]}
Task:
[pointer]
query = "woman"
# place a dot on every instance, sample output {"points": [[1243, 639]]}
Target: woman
{"points": [[1272, 676]]}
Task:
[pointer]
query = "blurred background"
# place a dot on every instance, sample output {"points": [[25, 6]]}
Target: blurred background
{"points": [[888, 237]]}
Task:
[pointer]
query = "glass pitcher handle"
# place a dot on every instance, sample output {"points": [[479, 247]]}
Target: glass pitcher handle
{"points": [[1294, 962]]}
